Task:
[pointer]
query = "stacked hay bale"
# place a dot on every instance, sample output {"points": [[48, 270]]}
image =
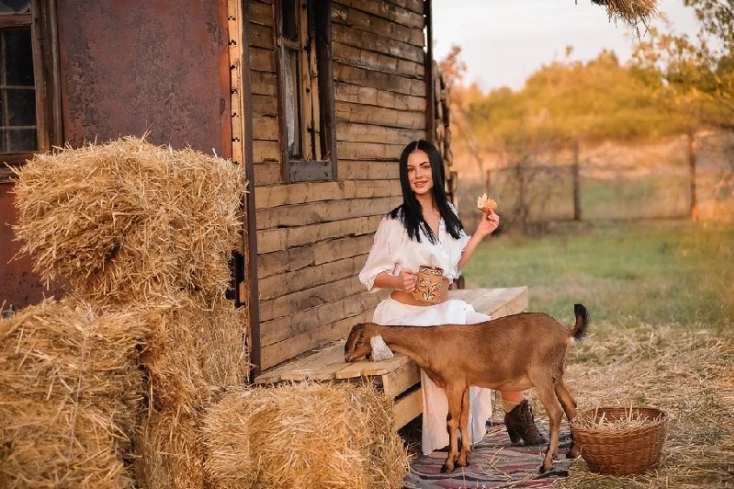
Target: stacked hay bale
{"points": [[148, 230], [192, 354], [129, 223], [70, 392], [304, 436]]}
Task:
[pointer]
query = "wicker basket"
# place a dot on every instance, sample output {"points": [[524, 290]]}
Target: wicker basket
{"points": [[632, 450]]}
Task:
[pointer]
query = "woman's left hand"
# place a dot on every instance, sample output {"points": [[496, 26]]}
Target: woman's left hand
{"points": [[488, 224]]}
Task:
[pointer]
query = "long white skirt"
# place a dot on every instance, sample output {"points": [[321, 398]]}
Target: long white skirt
{"points": [[435, 406]]}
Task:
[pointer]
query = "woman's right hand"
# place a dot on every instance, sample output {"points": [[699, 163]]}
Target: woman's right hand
{"points": [[406, 281]]}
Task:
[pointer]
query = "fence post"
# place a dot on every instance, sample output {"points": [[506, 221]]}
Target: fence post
{"points": [[692, 170], [522, 210], [576, 183], [488, 182]]}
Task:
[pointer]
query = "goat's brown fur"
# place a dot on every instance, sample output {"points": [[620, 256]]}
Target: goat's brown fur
{"points": [[512, 353]]}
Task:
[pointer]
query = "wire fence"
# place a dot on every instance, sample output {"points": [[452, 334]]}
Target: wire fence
{"points": [[690, 177]]}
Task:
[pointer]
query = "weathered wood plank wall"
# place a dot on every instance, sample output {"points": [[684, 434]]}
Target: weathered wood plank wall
{"points": [[313, 237]]}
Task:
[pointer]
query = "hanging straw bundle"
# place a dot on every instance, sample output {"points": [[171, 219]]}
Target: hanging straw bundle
{"points": [[129, 221], [630, 11], [70, 391], [304, 436]]}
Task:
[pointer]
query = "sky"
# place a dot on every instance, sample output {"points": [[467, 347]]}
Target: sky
{"points": [[505, 41]]}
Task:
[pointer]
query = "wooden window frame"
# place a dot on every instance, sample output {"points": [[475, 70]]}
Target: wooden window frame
{"points": [[42, 20], [320, 161]]}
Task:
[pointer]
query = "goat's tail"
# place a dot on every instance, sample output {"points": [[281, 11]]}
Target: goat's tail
{"points": [[582, 322]]}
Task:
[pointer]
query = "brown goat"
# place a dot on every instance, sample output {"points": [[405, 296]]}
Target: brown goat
{"points": [[512, 353]]}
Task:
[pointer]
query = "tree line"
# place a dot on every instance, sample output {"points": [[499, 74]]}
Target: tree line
{"points": [[673, 84]]}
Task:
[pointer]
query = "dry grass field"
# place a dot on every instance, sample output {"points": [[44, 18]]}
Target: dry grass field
{"points": [[661, 299]]}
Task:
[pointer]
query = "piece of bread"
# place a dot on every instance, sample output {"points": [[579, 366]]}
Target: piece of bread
{"points": [[485, 203]]}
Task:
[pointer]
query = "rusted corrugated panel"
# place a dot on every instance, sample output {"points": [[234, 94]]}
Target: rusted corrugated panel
{"points": [[130, 67], [133, 66], [19, 286]]}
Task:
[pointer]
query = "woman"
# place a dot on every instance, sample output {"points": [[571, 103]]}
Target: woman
{"points": [[425, 230]]}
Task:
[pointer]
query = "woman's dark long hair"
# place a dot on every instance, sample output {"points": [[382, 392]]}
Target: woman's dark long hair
{"points": [[410, 212]]}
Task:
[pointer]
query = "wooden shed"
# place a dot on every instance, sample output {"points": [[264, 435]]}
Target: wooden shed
{"points": [[314, 99]]}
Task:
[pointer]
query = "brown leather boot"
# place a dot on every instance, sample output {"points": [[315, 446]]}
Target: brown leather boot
{"points": [[520, 424]]}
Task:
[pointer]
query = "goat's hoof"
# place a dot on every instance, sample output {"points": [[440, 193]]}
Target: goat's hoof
{"points": [[574, 452], [445, 469], [543, 470]]}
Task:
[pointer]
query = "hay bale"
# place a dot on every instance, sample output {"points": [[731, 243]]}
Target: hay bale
{"points": [[130, 222], [70, 390], [193, 350], [226, 435], [631, 12], [304, 436], [169, 454]]}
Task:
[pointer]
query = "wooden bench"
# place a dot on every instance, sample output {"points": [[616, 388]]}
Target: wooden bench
{"points": [[398, 377]]}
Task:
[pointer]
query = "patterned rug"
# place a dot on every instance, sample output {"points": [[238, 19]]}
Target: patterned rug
{"points": [[494, 463]]}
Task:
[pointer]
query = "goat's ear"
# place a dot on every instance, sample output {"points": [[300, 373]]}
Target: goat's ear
{"points": [[354, 336]]}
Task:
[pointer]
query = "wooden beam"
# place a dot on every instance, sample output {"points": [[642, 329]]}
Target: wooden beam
{"points": [[303, 192], [369, 170], [307, 321], [286, 283], [388, 11], [301, 257], [408, 408], [320, 212], [270, 240], [247, 282], [380, 81], [377, 43], [360, 94], [372, 24], [362, 58], [379, 116], [430, 81]]}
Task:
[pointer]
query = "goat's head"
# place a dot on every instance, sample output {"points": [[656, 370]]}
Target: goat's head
{"points": [[358, 343]]}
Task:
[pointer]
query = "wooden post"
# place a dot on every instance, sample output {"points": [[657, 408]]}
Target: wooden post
{"points": [[430, 83], [692, 171], [488, 182], [246, 271], [522, 211], [576, 183]]}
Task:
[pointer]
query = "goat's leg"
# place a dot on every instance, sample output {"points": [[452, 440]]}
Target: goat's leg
{"points": [[464, 429], [569, 406], [548, 398], [453, 396]]}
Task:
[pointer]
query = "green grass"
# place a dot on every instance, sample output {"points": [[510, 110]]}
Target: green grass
{"points": [[654, 272], [653, 196]]}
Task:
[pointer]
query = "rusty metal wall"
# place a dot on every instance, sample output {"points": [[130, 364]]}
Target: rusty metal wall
{"points": [[136, 66], [19, 286], [129, 67]]}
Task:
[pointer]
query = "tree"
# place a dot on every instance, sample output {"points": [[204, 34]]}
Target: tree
{"points": [[695, 77], [453, 67]]}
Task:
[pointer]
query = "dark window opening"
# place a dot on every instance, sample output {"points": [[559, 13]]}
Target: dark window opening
{"points": [[30, 119], [306, 90]]}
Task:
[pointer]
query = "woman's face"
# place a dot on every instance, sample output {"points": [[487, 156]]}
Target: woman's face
{"points": [[420, 175]]}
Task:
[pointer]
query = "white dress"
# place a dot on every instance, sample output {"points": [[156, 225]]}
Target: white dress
{"points": [[392, 252]]}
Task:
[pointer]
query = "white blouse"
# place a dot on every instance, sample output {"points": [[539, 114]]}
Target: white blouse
{"points": [[393, 251]]}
